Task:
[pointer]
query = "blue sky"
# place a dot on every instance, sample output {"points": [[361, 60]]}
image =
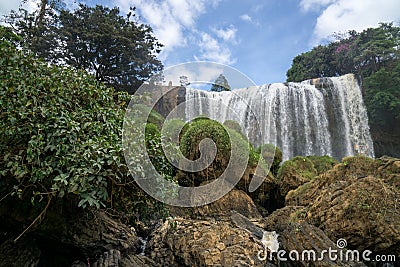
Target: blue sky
{"points": [[258, 37]]}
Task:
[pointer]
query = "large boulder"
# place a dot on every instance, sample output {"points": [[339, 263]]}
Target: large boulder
{"points": [[294, 173], [236, 200], [357, 200], [183, 242]]}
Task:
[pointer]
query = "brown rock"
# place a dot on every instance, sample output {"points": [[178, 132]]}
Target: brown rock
{"points": [[217, 243], [235, 200]]}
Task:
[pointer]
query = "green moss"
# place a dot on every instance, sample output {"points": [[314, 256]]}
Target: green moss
{"points": [[322, 163], [272, 155], [359, 166], [223, 137], [298, 166], [201, 129], [235, 126]]}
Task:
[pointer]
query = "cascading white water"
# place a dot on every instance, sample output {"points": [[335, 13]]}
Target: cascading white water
{"points": [[299, 118]]}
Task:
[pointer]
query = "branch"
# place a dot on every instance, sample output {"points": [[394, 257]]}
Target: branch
{"points": [[34, 221]]}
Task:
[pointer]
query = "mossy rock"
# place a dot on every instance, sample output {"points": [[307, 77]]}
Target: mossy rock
{"points": [[272, 155], [231, 124], [200, 129], [154, 117], [323, 163], [294, 173]]}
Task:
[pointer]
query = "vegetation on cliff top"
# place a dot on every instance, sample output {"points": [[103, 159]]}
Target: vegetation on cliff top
{"points": [[373, 55]]}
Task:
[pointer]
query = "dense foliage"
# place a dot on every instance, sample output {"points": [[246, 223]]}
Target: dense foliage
{"points": [[117, 50], [60, 133], [373, 55], [360, 53]]}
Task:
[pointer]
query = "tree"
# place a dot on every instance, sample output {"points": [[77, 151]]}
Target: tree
{"points": [[220, 84], [360, 53], [116, 50], [184, 81]]}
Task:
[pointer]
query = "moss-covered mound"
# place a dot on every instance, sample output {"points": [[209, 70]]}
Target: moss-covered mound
{"points": [[322, 163], [223, 137], [195, 132], [231, 124], [295, 172], [272, 156]]}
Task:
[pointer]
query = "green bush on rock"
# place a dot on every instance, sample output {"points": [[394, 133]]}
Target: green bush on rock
{"points": [[235, 126], [173, 128], [200, 129], [154, 117]]}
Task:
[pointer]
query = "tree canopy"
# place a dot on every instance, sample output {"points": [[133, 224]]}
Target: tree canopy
{"points": [[117, 50], [220, 84], [60, 133], [361, 53]]}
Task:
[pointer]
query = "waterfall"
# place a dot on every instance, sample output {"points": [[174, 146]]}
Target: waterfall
{"points": [[323, 116]]}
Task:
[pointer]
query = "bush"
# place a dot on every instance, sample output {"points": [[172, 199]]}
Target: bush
{"points": [[60, 133], [154, 117], [206, 128], [236, 127], [155, 151]]}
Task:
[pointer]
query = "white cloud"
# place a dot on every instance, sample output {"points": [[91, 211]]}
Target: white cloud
{"points": [[213, 50], [344, 15], [170, 19], [308, 5], [6, 6], [227, 34], [246, 17]]}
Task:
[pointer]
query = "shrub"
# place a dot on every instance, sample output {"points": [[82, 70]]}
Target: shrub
{"points": [[60, 133], [207, 128], [154, 117], [233, 125]]}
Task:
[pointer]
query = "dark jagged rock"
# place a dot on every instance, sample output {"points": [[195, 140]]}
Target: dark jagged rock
{"points": [[25, 253]]}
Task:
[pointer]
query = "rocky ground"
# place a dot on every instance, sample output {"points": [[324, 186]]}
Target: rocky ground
{"points": [[356, 201]]}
